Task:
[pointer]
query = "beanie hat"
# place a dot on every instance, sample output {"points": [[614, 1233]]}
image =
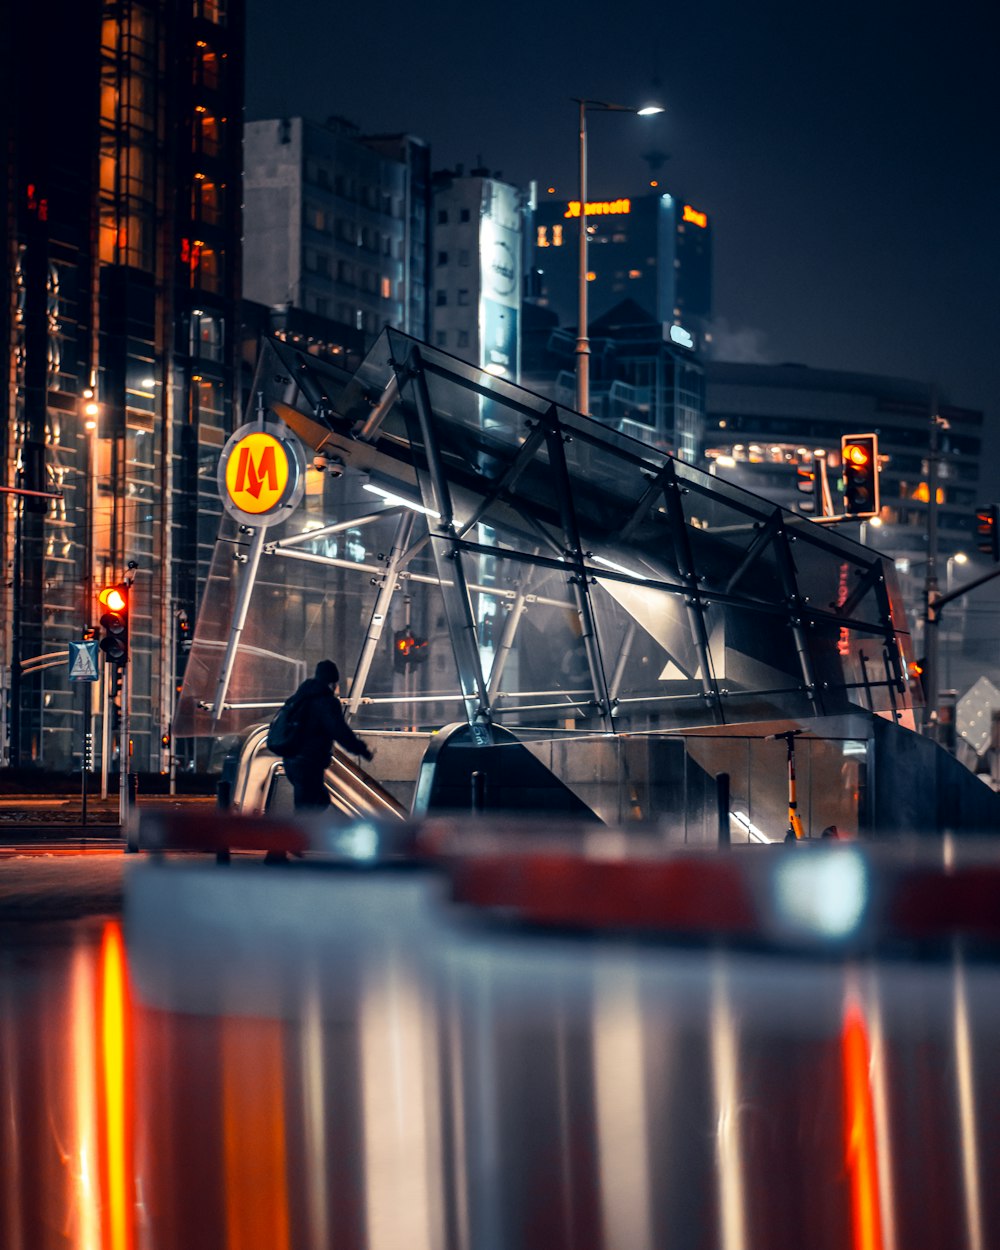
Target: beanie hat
{"points": [[327, 672]]}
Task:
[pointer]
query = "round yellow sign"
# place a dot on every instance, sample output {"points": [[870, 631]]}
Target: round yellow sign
{"points": [[257, 473]]}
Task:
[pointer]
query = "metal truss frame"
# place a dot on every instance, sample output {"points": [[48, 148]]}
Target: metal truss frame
{"points": [[670, 490]]}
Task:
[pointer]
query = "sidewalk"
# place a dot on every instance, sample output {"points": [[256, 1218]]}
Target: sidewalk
{"points": [[58, 818]]}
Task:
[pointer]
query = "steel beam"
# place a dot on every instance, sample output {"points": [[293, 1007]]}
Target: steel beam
{"points": [[579, 578], [686, 571], [239, 619], [796, 612], [380, 612], [436, 498]]}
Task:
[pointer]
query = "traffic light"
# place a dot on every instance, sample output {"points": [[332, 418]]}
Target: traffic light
{"points": [[407, 649], [806, 485], [114, 601], [988, 531], [859, 465]]}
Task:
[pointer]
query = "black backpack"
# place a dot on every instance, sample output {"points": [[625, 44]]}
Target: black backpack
{"points": [[284, 737]]}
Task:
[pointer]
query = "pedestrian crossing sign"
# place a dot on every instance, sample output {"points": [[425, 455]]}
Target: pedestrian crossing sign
{"points": [[83, 661]]}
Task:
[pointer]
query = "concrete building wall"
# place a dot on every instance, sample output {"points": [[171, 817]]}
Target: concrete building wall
{"points": [[272, 198], [477, 250]]}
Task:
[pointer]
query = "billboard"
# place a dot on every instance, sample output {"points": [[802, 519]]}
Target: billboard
{"points": [[500, 290]]}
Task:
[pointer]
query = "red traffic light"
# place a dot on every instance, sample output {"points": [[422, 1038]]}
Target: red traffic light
{"points": [[988, 531], [857, 455], [113, 598], [114, 622]]}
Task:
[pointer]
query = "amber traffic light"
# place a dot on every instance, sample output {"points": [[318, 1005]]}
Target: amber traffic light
{"points": [[859, 465], [114, 601], [407, 649]]}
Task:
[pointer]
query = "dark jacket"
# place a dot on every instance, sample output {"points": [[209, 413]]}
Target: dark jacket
{"points": [[323, 724]]}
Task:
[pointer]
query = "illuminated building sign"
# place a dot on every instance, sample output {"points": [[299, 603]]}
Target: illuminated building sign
{"points": [[599, 208], [681, 336], [261, 474], [257, 473], [694, 217]]}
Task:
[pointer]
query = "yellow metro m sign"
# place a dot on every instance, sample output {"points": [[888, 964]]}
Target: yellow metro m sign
{"points": [[257, 473], [261, 474]]}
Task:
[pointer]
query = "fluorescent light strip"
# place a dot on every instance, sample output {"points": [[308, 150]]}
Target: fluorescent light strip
{"points": [[389, 497], [619, 568]]}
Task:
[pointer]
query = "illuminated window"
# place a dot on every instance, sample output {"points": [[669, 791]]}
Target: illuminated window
{"points": [[208, 396], [206, 202], [208, 133], [386, 288], [206, 268], [211, 11], [557, 236], [206, 336], [635, 273], [542, 237]]}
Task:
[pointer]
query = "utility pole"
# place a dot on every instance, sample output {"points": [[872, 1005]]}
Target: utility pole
{"points": [[931, 591]]}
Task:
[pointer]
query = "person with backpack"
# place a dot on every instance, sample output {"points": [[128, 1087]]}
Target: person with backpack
{"points": [[304, 732]]}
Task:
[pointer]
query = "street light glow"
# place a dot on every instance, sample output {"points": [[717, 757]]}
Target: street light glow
{"points": [[649, 110]]}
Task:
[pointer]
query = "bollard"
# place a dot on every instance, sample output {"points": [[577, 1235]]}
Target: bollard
{"points": [[478, 791], [224, 795], [722, 802]]}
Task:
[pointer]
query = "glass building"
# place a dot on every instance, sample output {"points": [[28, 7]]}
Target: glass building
{"points": [[122, 260], [477, 558]]}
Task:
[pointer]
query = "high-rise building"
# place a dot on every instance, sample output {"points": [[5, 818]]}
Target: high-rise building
{"points": [[337, 224], [478, 267], [654, 250], [122, 129], [767, 425], [643, 382]]}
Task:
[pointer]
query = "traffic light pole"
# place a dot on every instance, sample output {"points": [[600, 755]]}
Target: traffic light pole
{"points": [[931, 594], [105, 727], [124, 761]]}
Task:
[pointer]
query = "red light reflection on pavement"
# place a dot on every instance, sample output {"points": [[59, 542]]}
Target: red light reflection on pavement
{"points": [[253, 1113], [861, 1153], [116, 1086]]}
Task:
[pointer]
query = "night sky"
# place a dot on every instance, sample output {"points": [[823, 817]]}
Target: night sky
{"points": [[847, 154]]}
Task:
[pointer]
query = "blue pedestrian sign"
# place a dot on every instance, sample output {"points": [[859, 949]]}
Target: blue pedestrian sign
{"points": [[83, 661]]}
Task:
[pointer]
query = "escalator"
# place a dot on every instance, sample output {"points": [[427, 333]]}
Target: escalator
{"points": [[255, 784]]}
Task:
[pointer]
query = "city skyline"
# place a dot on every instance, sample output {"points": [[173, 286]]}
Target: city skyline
{"points": [[850, 203]]}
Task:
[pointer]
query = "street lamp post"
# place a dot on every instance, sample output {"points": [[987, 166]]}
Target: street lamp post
{"points": [[582, 339]]}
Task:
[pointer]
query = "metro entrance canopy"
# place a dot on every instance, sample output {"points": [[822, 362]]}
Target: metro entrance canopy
{"points": [[559, 573]]}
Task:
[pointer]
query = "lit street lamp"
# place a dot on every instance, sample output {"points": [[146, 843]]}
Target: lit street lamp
{"points": [[582, 341]]}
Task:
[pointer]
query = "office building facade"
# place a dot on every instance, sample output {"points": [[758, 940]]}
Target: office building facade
{"points": [[766, 424], [654, 250], [643, 383], [478, 269], [337, 224], [122, 262]]}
